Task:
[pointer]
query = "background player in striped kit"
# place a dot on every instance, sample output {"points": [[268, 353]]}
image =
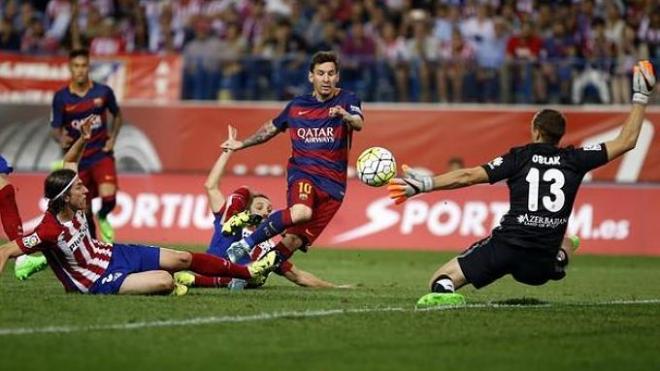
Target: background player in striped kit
{"points": [[84, 99]]}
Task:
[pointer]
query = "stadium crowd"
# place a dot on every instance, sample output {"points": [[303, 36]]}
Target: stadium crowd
{"points": [[494, 51]]}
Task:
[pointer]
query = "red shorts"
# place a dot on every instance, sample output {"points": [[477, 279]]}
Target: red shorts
{"points": [[324, 208], [101, 172]]}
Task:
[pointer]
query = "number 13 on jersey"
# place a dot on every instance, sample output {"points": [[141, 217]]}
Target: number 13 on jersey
{"points": [[553, 204]]}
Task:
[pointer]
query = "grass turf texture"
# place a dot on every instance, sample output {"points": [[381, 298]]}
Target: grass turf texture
{"points": [[560, 325]]}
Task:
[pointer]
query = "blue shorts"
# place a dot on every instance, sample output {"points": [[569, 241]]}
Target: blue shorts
{"points": [[4, 166], [126, 259]]}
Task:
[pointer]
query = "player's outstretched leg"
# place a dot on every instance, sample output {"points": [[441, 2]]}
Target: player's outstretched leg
{"points": [[444, 282], [27, 265], [197, 280], [209, 265]]}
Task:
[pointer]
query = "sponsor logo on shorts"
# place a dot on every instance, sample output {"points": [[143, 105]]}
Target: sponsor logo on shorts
{"points": [[31, 241]]}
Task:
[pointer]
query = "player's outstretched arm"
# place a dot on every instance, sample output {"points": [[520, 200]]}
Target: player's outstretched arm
{"points": [[74, 154], [643, 86], [307, 279], [267, 131], [414, 182], [9, 250], [215, 197]]}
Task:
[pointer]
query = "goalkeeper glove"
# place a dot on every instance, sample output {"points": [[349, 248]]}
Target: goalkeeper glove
{"points": [[412, 183], [643, 82]]}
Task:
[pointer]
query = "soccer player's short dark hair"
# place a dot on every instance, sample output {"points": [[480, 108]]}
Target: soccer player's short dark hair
{"points": [[255, 195], [551, 124], [54, 184], [324, 57], [79, 53]]}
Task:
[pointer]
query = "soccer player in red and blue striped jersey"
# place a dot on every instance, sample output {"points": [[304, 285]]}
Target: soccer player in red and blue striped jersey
{"points": [[86, 100], [320, 126]]}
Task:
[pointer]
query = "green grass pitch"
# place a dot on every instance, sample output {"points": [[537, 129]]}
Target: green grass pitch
{"points": [[604, 316]]}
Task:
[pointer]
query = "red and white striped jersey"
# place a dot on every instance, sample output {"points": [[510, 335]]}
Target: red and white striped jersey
{"points": [[77, 259]]}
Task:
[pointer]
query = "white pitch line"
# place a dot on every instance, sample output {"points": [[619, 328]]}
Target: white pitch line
{"points": [[278, 315]]}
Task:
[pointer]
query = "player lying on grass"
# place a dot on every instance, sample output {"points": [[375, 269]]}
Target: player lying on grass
{"points": [[236, 217], [543, 180], [86, 265]]}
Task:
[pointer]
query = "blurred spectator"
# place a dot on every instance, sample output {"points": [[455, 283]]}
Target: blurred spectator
{"points": [[446, 19], [523, 52], [479, 29], [490, 57], [201, 58], [423, 51], [456, 58], [107, 42], [10, 40], [557, 63], [288, 54], [232, 50], [323, 16], [358, 55], [649, 34], [627, 55], [393, 57], [256, 24], [331, 39], [34, 39], [598, 54], [59, 17]]}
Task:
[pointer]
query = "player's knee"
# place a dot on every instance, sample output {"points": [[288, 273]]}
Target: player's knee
{"points": [[183, 259], [300, 213], [164, 282], [292, 241]]}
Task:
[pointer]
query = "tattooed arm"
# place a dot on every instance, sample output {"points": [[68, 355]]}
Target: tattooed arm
{"points": [[267, 131]]}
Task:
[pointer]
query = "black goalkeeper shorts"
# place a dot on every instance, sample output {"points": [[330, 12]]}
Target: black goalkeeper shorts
{"points": [[488, 260]]}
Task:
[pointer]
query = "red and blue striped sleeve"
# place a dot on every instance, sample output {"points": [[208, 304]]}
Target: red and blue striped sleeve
{"points": [[281, 122], [57, 111]]}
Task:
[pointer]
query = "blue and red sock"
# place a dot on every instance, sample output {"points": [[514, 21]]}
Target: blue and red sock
{"points": [[275, 224]]}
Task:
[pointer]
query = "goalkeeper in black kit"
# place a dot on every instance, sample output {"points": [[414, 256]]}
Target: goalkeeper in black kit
{"points": [[543, 180]]}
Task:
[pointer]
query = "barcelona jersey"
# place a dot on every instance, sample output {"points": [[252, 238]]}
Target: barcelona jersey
{"points": [[70, 111], [320, 143]]}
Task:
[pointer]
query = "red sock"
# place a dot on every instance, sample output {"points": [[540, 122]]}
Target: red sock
{"points": [[209, 265], [237, 201], [283, 250], [11, 219], [206, 281]]}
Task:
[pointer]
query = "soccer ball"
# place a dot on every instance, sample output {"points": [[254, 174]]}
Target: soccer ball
{"points": [[376, 166]]}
